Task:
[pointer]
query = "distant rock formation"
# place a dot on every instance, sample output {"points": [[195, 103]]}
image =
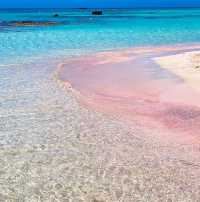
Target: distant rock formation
{"points": [[56, 15], [32, 23], [97, 12]]}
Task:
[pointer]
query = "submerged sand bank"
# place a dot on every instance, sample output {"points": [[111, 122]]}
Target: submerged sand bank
{"points": [[185, 65]]}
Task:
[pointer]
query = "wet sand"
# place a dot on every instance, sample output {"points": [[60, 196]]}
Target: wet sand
{"points": [[53, 148], [130, 84]]}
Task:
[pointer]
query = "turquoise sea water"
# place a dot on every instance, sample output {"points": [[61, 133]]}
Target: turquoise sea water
{"points": [[81, 32]]}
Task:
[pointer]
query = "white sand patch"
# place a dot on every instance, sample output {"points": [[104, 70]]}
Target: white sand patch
{"points": [[185, 65]]}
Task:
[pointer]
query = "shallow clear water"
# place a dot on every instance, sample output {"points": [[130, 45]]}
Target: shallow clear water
{"points": [[81, 32]]}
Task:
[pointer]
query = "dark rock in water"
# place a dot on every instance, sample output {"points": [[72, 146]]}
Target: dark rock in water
{"points": [[55, 15], [97, 12], [32, 23]]}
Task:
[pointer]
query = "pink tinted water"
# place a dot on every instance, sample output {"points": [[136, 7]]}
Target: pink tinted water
{"points": [[129, 84]]}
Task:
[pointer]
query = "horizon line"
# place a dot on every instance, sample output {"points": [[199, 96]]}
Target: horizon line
{"points": [[163, 7]]}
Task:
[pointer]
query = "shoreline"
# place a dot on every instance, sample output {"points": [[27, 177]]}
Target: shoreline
{"points": [[107, 101]]}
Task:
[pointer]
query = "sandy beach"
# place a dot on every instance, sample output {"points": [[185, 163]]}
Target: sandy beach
{"points": [[185, 65], [56, 149]]}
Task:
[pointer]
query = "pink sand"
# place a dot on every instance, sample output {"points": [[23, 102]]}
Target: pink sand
{"points": [[129, 84]]}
